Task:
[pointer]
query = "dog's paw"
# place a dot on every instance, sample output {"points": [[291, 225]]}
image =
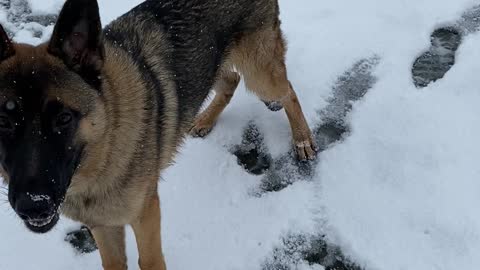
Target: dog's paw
{"points": [[273, 106], [199, 131], [306, 149]]}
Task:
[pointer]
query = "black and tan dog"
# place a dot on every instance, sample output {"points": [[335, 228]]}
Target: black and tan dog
{"points": [[88, 121]]}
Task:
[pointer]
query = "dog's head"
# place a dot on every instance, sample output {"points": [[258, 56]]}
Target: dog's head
{"points": [[50, 109]]}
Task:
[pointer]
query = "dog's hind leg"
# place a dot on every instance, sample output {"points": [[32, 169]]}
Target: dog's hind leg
{"points": [[225, 87], [260, 58], [147, 230], [111, 243]]}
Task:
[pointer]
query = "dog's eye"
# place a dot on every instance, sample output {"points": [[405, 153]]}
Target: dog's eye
{"points": [[5, 123], [64, 119], [11, 105]]}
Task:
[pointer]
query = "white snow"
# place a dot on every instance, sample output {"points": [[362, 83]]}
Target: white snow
{"points": [[45, 7], [402, 191], [399, 192], [39, 197]]}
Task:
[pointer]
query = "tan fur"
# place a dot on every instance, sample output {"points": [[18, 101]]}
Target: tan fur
{"points": [[104, 161], [147, 233], [224, 88], [155, 42], [260, 58], [111, 243]]}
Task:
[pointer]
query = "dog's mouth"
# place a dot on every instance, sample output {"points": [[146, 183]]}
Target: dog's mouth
{"points": [[42, 225]]}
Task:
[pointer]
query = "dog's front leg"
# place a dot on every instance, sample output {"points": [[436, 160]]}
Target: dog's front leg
{"points": [[147, 233], [111, 243]]}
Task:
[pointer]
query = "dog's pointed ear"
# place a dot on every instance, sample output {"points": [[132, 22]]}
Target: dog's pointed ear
{"points": [[77, 37], [6, 46]]}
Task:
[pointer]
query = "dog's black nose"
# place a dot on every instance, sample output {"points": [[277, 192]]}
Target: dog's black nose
{"points": [[31, 206]]}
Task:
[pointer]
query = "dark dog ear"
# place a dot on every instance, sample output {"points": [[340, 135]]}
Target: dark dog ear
{"points": [[77, 37], [6, 46]]}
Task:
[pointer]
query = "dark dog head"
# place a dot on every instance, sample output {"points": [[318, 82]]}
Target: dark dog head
{"points": [[50, 106]]}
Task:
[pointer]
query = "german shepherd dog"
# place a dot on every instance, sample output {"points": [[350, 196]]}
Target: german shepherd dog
{"points": [[90, 119]]}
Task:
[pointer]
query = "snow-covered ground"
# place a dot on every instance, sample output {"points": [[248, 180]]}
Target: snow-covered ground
{"points": [[398, 191]]}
